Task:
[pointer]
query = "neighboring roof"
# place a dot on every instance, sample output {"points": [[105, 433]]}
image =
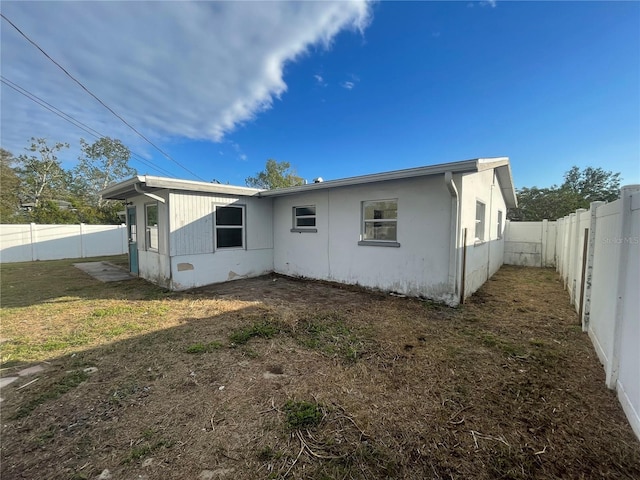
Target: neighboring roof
{"points": [[146, 183]]}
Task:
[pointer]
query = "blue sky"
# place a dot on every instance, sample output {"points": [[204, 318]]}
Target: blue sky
{"points": [[336, 89]]}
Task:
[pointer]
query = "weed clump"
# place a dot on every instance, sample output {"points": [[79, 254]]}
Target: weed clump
{"points": [[303, 414]]}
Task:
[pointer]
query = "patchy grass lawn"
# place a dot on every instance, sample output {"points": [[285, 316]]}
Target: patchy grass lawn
{"points": [[279, 378]]}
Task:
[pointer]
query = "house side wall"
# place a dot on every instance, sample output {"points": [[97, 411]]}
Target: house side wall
{"points": [[483, 258], [419, 267], [194, 260]]}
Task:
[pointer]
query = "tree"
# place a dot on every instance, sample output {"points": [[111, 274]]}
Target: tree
{"points": [[42, 176], [103, 163], [578, 190], [275, 175], [9, 185], [49, 212], [592, 185]]}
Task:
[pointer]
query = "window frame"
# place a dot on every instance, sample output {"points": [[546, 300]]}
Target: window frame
{"points": [[500, 224], [372, 242], [242, 227], [303, 228], [480, 224], [147, 227]]}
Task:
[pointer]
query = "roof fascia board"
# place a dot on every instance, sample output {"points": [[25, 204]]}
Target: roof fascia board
{"points": [[129, 188]]}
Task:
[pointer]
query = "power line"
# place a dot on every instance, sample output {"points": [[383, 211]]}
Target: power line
{"points": [[75, 122], [99, 101]]}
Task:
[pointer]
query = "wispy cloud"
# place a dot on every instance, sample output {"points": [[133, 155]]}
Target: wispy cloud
{"points": [[193, 70], [320, 80], [348, 85], [489, 3]]}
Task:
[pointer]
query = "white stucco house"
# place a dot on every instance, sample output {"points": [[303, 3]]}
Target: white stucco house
{"points": [[434, 231]]}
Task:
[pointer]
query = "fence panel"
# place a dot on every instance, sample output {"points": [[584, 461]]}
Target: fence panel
{"points": [[29, 242]]}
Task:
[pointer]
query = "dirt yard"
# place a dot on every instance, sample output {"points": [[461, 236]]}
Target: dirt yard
{"points": [[273, 378]]}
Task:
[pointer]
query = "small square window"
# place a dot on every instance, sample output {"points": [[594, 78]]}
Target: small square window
{"points": [[304, 219], [380, 221]]}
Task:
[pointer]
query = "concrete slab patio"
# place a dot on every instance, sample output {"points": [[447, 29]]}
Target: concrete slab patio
{"points": [[104, 271]]}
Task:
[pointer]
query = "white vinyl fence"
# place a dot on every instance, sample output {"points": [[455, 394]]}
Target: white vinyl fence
{"points": [[530, 244], [597, 254], [29, 242]]}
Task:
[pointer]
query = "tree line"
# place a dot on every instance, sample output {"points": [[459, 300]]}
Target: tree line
{"points": [[578, 190], [35, 188]]}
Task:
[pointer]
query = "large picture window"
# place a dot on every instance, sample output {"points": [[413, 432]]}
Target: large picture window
{"points": [[304, 219], [151, 219], [229, 227], [380, 221]]}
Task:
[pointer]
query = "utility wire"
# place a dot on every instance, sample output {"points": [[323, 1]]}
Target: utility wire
{"points": [[75, 122], [99, 101]]}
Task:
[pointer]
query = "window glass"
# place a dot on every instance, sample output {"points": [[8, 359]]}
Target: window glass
{"points": [[229, 216], [228, 237], [304, 217], [151, 214], [480, 214], [380, 220], [305, 222], [229, 227], [301, 211]]}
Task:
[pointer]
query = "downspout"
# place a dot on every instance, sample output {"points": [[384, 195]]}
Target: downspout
{"points": [[453, 237], [493, 184]]}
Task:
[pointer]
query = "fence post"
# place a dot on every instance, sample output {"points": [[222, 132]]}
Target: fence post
{"points": [[32, 239], [593, 210], [543, 240], [82, 252], [125, 239]]}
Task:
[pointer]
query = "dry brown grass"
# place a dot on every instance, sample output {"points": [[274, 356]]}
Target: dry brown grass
{"points": [[505, 387]]}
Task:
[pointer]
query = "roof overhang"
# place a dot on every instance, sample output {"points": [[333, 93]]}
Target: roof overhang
{"points": [[132, 187]]}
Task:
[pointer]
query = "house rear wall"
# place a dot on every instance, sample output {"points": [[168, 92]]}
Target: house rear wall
{"points": [[418, 267]]}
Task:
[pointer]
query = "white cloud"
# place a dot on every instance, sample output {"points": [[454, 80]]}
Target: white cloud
{"points": [[348, 85], [489, 3], [174, 70]]}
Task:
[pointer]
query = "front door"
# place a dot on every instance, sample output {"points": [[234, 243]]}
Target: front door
{"points": [[132, 230]]}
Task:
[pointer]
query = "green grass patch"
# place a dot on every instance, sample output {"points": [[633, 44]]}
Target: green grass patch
{"points": [[508, 348], [203, 347], [302, 414], [68, 382], [263, 329], [330, 334]]}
